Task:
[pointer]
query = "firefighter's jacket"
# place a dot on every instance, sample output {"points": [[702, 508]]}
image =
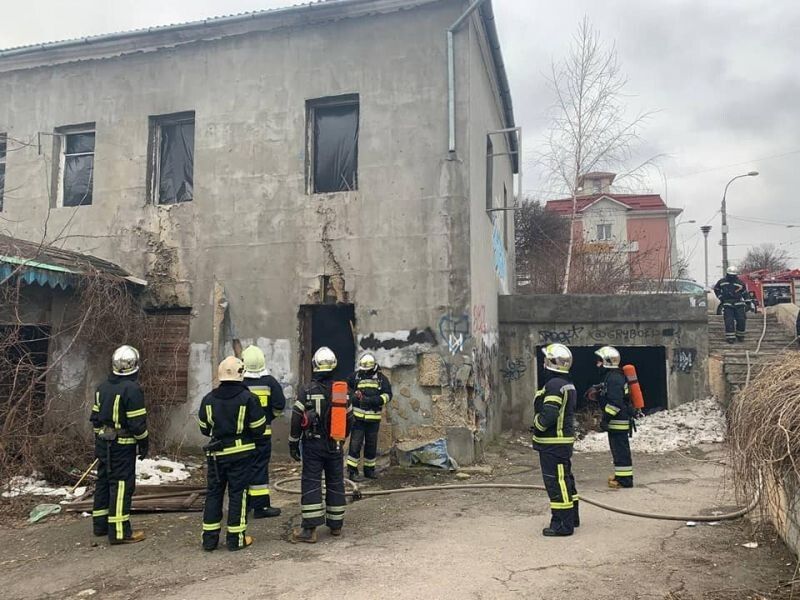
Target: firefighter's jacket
{"points": [[554, 412], [270, 395], [119, 405], [731, 291], [376, 391], [615, 402], [311, 412], [232, 416]]}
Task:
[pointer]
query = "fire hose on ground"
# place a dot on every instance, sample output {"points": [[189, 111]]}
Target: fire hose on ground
{"points": [[358, 494]]}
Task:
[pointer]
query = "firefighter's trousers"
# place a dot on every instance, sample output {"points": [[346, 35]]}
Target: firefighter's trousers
{"points": [[556, 463], [320, 455], [258, 491], [620, 445], [735, 321], [116, 482], [233, 473], [364, 433]]}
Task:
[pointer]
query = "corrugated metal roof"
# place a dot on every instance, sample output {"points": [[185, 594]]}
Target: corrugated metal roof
{"points": [[44, 264]]}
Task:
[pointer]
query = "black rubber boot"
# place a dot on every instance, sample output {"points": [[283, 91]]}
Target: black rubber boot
{"points": [[550, 532], [210, 542], [352, 474], [267, 512], [369, 473]]}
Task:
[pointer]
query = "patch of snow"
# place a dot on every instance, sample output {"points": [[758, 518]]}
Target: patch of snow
{"points": [[691, 424], [35, 485], [156, 471]]}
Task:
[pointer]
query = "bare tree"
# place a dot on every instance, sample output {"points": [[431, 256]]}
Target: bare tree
{"points": [[541, 247], [590, 129], [766, 257]]}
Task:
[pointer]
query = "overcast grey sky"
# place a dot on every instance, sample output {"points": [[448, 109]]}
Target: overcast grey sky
{"points": [[723, 74]]}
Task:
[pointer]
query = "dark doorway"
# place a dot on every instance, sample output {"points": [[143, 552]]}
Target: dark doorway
{"points": [[650, 363], [331, 325]]}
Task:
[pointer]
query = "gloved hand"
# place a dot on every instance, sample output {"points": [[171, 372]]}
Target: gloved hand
{"points": [[359, 395], [376, 403], [603, 425], [638, 414], [294, 450], [143, 447], [591, 394]]}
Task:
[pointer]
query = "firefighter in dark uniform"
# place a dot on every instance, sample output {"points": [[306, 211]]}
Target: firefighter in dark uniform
{"points": [[119, 420], [270, 394], [231, 415], [553, 437], [371, 391], [617, 417], [733, 297], [311, 424]]}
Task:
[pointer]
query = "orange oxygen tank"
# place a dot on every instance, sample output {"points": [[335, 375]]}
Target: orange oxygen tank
{"points": [[339, 412], [637, 399]]}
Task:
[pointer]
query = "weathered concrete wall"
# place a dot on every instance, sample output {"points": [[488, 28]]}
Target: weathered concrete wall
{"points": [[668, 320], [398, 247]]}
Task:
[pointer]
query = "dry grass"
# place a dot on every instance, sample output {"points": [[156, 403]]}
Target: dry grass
{"points": [[764, 432]]}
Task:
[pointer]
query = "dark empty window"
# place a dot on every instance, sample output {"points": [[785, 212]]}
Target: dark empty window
{"points": [[3, 145], [333, 144], [172, 158], [77, 166]]}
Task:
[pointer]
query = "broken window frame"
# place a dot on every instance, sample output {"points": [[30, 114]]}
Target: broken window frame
{"points": [[312, 106], [61, 140], [157, 124], [3, 153]]}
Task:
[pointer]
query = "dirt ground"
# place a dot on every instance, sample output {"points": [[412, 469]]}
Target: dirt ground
{"points": [[467, 544]]}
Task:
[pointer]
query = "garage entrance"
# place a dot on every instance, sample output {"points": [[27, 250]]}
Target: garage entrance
{"points": [[650, 363]]}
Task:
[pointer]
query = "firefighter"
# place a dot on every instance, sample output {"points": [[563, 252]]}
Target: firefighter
{"points": [[617, 417], [311, 424], [733, 297], [371, 391], [119, 420], [231, 415], [270, 394], [553, 436]]}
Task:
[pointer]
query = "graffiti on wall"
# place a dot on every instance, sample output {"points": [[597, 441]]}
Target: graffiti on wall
{"points": [[454, 331], [683, 359], [513, 369], [396, 348], [479, 325], [559, 336], [500, 259]]}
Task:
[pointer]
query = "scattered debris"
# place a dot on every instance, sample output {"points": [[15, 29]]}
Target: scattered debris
{"points": [[432, 453], [691, 424], [462, 475], [750, 545], [86, 593], [691, 523], [40, 511], [477, 469], [160, 498]]}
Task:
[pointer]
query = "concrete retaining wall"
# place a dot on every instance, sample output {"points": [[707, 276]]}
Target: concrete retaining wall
{"points": [[669, 320]]}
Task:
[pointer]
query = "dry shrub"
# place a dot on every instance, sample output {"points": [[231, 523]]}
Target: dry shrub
{"points": [[764, 433], [36, 432]]}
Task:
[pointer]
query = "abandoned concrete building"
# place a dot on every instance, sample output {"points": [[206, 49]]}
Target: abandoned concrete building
{"points": [[335, 173]]}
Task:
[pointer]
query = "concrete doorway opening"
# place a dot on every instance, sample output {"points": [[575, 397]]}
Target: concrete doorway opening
{"points": [[650, 363], [331, 325]]}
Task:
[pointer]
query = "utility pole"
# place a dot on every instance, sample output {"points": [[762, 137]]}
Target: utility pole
{"points": [[723, 211], [706, 229]]}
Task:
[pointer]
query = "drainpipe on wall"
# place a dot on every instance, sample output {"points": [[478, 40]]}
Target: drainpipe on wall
{"points": [[451, 76]]}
